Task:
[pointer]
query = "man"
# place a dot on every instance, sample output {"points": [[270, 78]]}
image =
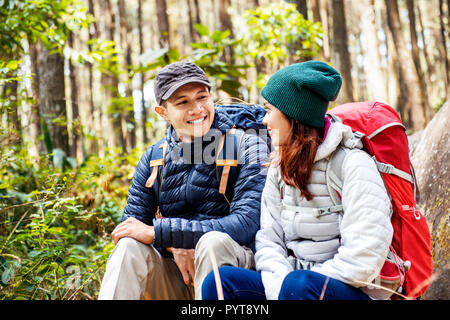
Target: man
{"points": [[177, 212]]}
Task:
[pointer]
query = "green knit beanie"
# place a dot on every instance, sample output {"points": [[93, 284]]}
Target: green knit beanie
{"points": [[302, 91]]}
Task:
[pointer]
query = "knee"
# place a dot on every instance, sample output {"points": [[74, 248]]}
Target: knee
{"points": [[298, 285], [129, 248], [127, 243], [217, 241]]}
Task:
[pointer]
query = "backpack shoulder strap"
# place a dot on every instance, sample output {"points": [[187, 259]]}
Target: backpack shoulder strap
{"points": [[227, 157], [334, 174], [157, 160]]}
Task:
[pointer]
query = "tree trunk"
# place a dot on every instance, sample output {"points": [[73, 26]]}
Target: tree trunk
{"points": [[192, 33], [129, 127], [372, 58], [315, 8], [52, 98], [141, 51], [92, 144], [416, 59], [110, 84], [34, 118], [10, 91], [429, 67], [341, 53], [163, 24], [76, 149], [413, 109], [444, 46], [225, 24]]}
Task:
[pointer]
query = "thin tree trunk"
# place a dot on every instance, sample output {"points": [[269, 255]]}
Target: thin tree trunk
{"points": [[141, 51], [92, 144], [326, 29], [225, 24], [372, 63], [52, 98], [413, 106], [110, 84], [416, 59], [342, 56], [444, 47], [10, 93], [129, 126], [76, 149], [36, 147], [163, 24], [193, 34], [429, 67]]}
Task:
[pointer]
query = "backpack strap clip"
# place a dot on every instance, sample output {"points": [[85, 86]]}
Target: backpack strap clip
{"points": [[355, 141]]}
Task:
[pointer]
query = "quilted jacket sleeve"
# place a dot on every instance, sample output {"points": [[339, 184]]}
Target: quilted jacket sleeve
{"points": [[366, 230], [271, 252], [242, 222], [141, 202]]}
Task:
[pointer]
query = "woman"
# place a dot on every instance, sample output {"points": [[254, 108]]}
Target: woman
{"points": [[301, 253]]}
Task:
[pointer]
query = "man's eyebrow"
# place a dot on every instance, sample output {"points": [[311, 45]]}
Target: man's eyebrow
{"points": [[184, 96]]}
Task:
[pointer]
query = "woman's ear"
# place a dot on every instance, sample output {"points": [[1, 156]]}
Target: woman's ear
{"points": [[162, 112]]}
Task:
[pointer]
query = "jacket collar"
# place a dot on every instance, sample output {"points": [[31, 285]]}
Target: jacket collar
{"points": [[337, 134]]}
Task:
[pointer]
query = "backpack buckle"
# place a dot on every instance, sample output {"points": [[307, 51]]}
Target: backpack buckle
{"points": [[353, 142], [322, 212]]}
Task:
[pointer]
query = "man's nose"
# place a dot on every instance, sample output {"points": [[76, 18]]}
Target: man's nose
{"points": [[197, 107]]}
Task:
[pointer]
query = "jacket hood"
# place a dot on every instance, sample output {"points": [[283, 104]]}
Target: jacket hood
{"points": [[337, 134]]}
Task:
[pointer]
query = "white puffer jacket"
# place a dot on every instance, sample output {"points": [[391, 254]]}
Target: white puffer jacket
{"points": [[351, 248]]}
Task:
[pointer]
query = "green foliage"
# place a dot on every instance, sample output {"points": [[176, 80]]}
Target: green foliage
{"points": [[277, 34], [47, 20], [208, 56], [55, 225]]}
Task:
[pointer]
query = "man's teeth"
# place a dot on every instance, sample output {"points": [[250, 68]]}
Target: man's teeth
{"points": [[197, 121]]}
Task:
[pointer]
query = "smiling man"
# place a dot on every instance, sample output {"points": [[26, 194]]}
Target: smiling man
{"points": [[178, 208]]}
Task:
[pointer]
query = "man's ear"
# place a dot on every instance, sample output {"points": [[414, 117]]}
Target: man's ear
{"points": [[162, 112]]}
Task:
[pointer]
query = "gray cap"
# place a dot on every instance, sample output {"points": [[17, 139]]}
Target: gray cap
{"points": [[177, 74]]}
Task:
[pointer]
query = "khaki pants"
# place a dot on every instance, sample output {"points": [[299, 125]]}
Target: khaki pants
{"points": [[138, 271]]}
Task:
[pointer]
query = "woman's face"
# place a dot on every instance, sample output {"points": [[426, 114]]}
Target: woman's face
{"points": [[278, 125]]}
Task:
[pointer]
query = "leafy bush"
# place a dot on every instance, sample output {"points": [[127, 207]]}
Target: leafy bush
{"points": [[55, 226]]}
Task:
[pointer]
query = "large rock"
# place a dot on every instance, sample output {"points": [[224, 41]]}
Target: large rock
{"points": [[430, 156]]}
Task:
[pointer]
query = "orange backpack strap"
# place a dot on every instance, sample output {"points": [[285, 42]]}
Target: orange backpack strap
{"points": [[155, 164], [222, 159]]}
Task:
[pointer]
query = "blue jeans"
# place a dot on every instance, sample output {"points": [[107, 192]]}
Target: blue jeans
{"points": [[244, 284]]}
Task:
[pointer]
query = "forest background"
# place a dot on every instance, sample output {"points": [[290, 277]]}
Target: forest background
{"points": [[76, 100]]}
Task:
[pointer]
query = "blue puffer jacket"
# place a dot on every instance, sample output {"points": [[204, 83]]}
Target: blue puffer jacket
{"points": [[189, 198]]}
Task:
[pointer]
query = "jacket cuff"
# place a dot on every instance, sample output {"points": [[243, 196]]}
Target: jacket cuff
{"points": [[158, 240]]}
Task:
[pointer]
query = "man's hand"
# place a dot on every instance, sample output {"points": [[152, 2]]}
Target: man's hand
{"points": [[184, 258], [135, 229]]}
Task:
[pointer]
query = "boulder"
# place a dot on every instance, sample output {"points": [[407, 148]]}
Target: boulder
{"points": [[430, 156]]}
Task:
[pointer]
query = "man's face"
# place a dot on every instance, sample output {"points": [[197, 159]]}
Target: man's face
{"points": [[190, 110]]}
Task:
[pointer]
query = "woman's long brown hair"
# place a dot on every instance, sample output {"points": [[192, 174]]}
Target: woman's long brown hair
{"points": [[297, 156]]}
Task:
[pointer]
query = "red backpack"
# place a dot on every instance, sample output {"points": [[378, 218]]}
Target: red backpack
{"points": [[382, 133]]}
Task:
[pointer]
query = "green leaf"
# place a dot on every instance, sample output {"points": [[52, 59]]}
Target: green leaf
{"points": [[7, 274], [201, 29], [151, 56]]}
